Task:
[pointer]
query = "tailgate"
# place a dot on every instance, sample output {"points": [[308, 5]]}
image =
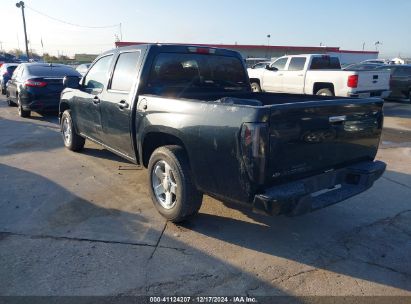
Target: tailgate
{"points": [[313, 137], [373, 80]]}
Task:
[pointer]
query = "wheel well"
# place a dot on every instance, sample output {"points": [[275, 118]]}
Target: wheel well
{"points": [[155, 140], [323, 85], [63, 106], [255, 80]]}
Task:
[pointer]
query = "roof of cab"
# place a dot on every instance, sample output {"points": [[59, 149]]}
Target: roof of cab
{"points": [[168, 47]]}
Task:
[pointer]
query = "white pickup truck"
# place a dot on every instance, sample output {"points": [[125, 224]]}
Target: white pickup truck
{"points": [[318, 75]]}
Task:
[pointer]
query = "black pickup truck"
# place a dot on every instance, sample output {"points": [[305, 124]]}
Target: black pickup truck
{"points": [[187, 114]]}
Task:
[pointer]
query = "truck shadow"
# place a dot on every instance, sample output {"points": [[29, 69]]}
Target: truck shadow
{"points": [[63, 223], [369, 240]]}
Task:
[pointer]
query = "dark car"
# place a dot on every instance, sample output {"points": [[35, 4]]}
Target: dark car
{"points": [[37, 86], [6, 71], [400, 83], [188, 114]]}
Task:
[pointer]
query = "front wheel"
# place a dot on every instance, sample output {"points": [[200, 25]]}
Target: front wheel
{"points": [[325, 92], [171, 187], [255, 87], [72, 140], [9, 102]]}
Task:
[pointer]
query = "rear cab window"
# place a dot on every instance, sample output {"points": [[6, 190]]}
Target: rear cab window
{"points": [[325, 63], [183, 72]]}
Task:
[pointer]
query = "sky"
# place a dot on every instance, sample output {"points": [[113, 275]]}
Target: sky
{"points": [[334, 23]]}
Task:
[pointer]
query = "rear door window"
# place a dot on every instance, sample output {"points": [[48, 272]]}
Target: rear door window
{"points": [[125, 71], [297, 64]]}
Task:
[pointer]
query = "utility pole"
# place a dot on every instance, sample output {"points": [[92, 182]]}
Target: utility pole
{"points": [[21, 4], [268, 45], [121, 33]]}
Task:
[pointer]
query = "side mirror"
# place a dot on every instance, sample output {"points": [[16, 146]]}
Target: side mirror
{"points": [[72, 82], [268, 67]]}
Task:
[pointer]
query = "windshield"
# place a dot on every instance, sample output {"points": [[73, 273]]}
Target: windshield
{"points": [[179, 73]]}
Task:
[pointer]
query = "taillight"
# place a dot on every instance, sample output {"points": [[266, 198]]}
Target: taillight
{"points": [[254, 143], [35, 83], [352, 81]]}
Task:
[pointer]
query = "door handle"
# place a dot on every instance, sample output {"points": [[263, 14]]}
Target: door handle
{"points": [[96, 100], [142, 105], [123, 105]]}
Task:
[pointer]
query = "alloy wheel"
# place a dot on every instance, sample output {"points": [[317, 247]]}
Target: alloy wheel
{"points": [[164, 184]]}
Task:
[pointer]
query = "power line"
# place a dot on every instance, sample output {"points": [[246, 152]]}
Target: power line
{"points": [[73, 24]]}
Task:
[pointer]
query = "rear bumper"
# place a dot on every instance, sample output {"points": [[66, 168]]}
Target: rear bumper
{"points": [[320, 191], [41, 103], [366, 94]]}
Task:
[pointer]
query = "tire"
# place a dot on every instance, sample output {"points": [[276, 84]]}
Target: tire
{"points": [[9, 102], [22, 113], [181, 200], [3, 91], [325, 92], [255, 87], [71, 139]]}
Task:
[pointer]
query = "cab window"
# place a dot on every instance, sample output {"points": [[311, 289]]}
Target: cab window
{"points": [[125, 71], [296, 64], [280, 64], [97, 77]]}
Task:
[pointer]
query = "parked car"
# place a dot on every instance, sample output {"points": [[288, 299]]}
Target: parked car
{"points": [[261, 65], [400, 81], [83, 68], [37, 87], [318, 75], [188, 115], [254, 60], [363, 66], [6, 71], [377, 61]]}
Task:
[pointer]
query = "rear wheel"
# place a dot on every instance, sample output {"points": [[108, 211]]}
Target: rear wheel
{"points": [[325, 92], [171, 188], [255, 87], [22, 112], [72, 140]]}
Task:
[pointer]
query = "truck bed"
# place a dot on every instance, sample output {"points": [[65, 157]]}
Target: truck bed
{"points": [[265, 99]]}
